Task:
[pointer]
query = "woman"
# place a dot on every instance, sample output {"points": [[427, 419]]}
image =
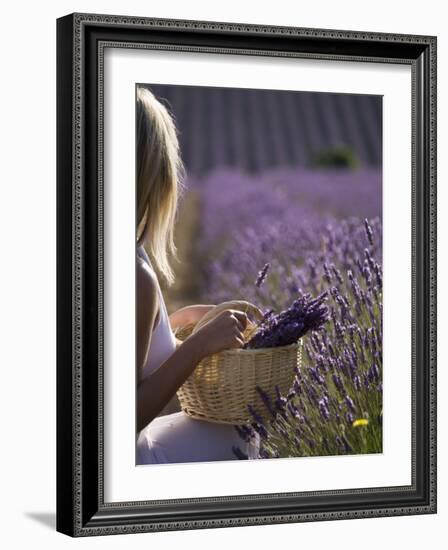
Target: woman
{"points": [[161, 366]]}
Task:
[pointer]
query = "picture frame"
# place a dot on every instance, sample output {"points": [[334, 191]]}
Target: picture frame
{"points": [[81, 43]]}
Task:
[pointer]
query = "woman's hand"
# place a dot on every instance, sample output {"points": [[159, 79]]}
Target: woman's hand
{"points": [[225, 331], [189, 315], [248, 308]]}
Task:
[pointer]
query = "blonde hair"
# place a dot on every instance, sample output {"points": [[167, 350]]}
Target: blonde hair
{"points": [[159, 180]]}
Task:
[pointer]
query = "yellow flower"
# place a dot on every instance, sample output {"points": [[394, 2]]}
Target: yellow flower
{"points": [[360, 422]]}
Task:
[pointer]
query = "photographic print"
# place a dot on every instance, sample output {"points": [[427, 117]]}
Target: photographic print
{"points": [[258, 274], [246, 235]]}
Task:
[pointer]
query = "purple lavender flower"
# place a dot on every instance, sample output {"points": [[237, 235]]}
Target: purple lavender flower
{"points": [[373, 374], [369, 231], [314, 374], [349, 417], [267, 401], [350, 404], [261, 430], [338, 383], [378, 275], [297, 387], [293, 410], [244, 432], [281, 401], [337, 274], [331, 350], [312, 394], [262, 275], [258, 419], [323, 409], [327, 274], [369, 259]]}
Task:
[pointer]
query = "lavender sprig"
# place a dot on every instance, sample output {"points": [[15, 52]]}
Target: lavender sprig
{"points": [[262, 275]]}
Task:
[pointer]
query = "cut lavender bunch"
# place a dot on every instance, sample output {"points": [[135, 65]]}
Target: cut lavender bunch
{"points": [[305, 314]]}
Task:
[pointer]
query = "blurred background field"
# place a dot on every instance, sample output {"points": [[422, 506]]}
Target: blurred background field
{"points": [[293, 179], [254, 155], [257, 130]]}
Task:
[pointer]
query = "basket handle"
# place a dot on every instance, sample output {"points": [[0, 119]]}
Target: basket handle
{"points": [[239, 305]]}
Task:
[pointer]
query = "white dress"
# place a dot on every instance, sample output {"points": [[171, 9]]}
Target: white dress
{"points": [[177, 437]]}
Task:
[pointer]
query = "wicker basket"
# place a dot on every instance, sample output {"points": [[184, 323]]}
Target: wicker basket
{"points": [[222, 385]]}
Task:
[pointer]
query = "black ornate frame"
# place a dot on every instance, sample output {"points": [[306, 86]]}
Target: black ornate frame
{"points": [[81, 39]]}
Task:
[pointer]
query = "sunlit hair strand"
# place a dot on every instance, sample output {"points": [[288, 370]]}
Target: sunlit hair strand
{"points": [[160, 175]]}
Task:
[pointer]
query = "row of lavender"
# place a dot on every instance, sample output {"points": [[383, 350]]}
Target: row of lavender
{"points": [[320, 232]]}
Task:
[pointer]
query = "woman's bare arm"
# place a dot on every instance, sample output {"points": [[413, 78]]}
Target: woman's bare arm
{"points": [[155, 391], [147, 312]]}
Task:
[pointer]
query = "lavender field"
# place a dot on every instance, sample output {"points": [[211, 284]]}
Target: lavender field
{"points": [[291, 179], [320, 231]]}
